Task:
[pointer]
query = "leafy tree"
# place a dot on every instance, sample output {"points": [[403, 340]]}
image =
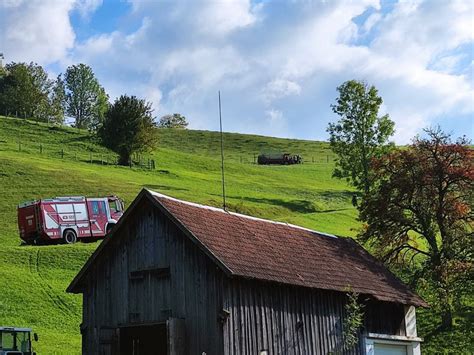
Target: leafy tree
{"points": [[100, 109], [85, 97], [24, 90], [57, 101], [128, 127], [421, 206], [360, 134], [42, 88], [175, 120]]}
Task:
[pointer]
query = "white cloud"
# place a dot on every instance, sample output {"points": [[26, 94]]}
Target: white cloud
{"points": [[222, 17], [371, 21], [280, 88], [34, 30], [274, 115], [86, 7]]}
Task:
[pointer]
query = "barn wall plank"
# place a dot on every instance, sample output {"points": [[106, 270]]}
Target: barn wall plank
{"points": [[283, 320]]}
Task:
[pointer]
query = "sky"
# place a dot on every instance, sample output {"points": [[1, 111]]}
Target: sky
{"points": [[276, 63]]}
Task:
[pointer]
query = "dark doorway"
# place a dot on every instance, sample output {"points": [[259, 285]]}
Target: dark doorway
{"points": [[144, 340]]}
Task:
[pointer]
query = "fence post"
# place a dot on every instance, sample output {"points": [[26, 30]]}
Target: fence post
{"points": [[19, 145], [41, 148], [90, 157], [312, 158], [327, 158], [62, 153], [101, 159]]}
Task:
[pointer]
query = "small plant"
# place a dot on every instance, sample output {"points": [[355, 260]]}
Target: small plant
{"points": [[353, 320]]}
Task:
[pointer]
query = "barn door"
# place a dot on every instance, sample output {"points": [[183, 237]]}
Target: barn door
{"points": [[176, 336]]}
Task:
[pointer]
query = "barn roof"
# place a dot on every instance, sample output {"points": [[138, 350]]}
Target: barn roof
{"points": [[260, 249]]}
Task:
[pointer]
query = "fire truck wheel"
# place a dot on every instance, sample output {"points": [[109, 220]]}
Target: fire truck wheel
{"points": [[69, 237]]}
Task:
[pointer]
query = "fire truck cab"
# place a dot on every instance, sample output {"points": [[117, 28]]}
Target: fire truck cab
{"points": [[16, 341], [68, 219]]}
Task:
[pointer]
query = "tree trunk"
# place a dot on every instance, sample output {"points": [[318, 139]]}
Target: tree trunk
{"points": [[447, 318], [124, 159], [445, 301], [443, 288], [446, 305]]}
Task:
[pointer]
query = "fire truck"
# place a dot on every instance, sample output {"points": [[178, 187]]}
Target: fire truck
{"points": [[68, 219]]}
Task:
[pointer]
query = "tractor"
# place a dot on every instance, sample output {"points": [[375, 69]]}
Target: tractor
{"points": [[16, 341]]}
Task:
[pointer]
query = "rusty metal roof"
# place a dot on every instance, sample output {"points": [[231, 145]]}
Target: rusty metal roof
{"points": [[260, 249]]}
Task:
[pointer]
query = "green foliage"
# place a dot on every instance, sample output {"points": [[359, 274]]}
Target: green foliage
{"points": [[360, 134], [24, 91], [353, 320], [101, 108], [421, 205], [128, 127], [175, 120], [86, 99], [57, 101]]}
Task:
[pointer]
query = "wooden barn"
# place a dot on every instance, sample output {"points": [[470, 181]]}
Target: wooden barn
{"points": [[181, 278]]}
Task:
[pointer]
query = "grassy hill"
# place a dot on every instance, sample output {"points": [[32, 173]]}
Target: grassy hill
{"points": [[37, 160]]}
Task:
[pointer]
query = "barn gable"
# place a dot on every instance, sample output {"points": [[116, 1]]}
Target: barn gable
{"points": [[147, 274]]}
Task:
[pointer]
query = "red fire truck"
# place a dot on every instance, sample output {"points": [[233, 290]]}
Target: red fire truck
{"points": [[68, 219]]}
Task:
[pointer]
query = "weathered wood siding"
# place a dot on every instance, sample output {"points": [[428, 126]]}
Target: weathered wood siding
{"points": [[191, 290], [283, 320], [151, 272]]}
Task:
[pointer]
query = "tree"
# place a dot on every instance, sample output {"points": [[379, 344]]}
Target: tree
{"points": [[57, 101], [175, 120], [85, 97], [101, 108], [360, 134], [128, 127], [24, 90], [421, 207]]}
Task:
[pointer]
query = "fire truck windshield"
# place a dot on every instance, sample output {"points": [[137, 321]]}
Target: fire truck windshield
{"points": [[115, 206], [15, 341]]}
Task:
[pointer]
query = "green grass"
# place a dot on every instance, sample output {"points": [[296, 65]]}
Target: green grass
{"points": [[37, 160]]}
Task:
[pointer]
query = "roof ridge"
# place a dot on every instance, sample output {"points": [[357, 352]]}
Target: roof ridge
{"points": [[217, 209]]}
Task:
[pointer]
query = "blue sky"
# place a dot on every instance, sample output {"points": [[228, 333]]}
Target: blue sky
{"points": [[276, 63]]}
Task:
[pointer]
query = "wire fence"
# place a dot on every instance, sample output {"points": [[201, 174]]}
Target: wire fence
{"points": [[85, 149], [96, 156], [92, 156]]}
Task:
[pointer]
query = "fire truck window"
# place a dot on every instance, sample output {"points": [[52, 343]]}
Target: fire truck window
{"points": [[95, 207], [103, 209], [113, 206]]}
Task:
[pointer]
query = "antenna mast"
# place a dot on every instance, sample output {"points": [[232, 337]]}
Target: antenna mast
{"points": [[222, 153]]}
